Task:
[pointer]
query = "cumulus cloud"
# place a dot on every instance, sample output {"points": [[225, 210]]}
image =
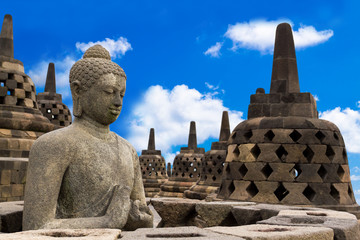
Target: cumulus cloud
{"points": [[214, 51], [117, 48], [348, 121], [355, 177], [62, 69], [170, 113], [260, 35], [357, 192]]}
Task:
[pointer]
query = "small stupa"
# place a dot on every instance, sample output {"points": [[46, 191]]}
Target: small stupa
{"points": [[153, 167], [186, 168], [21, 121], [283, 153], [212, 164], [50, 102]]}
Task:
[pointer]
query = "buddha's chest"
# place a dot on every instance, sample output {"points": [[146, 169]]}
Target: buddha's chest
{"points": [[101, 166]]}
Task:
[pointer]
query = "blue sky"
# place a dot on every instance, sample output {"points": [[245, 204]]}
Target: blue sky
{"points": [[190, 60]]}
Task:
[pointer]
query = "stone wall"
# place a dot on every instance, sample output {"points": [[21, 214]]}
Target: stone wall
{"points": [[12, 179]]}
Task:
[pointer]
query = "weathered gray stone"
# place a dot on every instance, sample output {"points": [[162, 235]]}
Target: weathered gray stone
{"points": [[218, 213], [11, 216], [344, 228], [276, 232], [178, 233], [64, 234], [174, 211], [97, 183]]}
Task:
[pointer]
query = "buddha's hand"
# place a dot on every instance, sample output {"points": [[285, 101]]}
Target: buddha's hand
{"points": [[140, 216], [119, 207]]}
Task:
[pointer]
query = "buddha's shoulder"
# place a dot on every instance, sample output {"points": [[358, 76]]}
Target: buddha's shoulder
{"points": [[125, 143], [60, 137]]}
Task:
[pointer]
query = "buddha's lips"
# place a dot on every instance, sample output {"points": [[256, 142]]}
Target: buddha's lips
{"points": [[115, 111]]}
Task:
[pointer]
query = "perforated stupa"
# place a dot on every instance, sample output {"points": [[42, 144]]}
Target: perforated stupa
{"points": [[283, 153]]}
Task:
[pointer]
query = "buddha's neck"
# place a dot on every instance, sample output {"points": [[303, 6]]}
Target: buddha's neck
{"points": [[92, 127]]}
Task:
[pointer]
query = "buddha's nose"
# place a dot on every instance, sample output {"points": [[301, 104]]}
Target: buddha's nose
{"points": [[118, 100]]}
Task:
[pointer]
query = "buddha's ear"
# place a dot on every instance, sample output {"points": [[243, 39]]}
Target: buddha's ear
{"points": [[75, 87], [75, 91]]}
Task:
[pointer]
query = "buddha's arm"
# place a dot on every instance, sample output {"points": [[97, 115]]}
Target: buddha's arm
{"points": [[140, 215], [48, 163]]}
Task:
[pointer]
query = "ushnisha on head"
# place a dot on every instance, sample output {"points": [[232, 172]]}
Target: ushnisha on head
{"points": [[106, 81]]}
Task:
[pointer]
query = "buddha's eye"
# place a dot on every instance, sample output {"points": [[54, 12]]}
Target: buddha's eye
{"points": [[109, 91]]}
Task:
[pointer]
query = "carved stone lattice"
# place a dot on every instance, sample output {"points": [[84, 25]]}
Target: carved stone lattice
{"points": [[50, 102], [153, 168], [186, 168], [212, 165], [283, 153], [21, 122]]}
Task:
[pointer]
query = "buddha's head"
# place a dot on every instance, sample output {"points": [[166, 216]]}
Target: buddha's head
{"points": [[97, 86]]}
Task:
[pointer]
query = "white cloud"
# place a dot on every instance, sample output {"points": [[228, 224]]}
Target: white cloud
{"points": [[355, 177], [214, 51], [62, 69], [316, 98], [358, 104], [357, 192], [348, 121], [170, 113], [260, 35], [355, 169], [116, 48]]}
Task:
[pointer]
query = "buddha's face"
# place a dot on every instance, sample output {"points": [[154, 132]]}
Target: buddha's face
{"points": [[103, 101]]}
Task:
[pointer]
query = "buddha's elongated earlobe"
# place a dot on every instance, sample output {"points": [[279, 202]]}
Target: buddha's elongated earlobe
{"points": [[75, 90]]}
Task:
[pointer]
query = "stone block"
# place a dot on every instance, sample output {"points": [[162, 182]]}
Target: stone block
{"points": [[279, 110], [322, 194], [3, 76], [234, 171], [302, 97], [343, 196], [11, 84], [281, 172], [18, 78], [5, 191], [248, 152], [246, 215], [341, 227], [274, 98], [318, 154], [28, 102], [258, 98], [282, 136], [254, 172], [192, 233], [267, 152], [265, 192], [10, 100], [339, 156], [293, 153], [5, 177], [294, 194], [75, 234], [19, 93], [218, 213], [27, 87], [11, 217], [330, 172], [17, 190], [308, 173], [302, 110], [255, 110], [239, 190], [271, 122], [175, 212], [278, 232]]}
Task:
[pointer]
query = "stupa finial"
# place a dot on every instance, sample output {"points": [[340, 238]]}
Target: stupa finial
{"points": [[192, 143], [50, 85], [284, 77], [6, 37], [225, 127], [151, 144]]}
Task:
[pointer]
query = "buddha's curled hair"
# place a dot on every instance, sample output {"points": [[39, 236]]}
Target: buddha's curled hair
{"points": [[95, 63]]}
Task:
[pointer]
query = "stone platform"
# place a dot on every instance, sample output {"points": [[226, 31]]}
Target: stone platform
{"points": [[198, 219]]}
